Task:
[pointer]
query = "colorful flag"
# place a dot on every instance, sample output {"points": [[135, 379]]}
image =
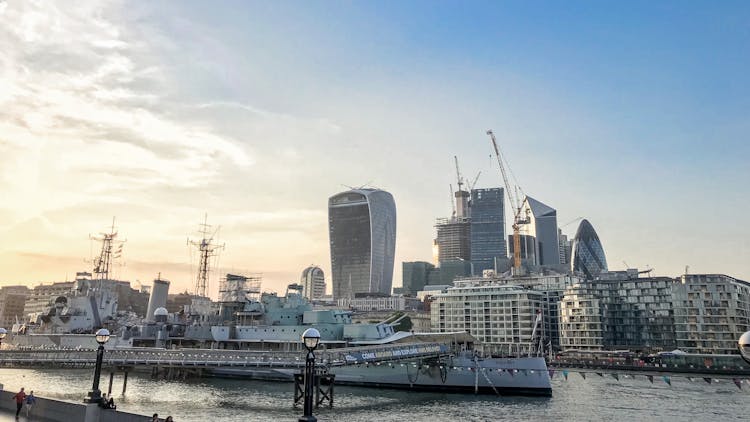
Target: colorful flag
{"points": [[667, 380]]}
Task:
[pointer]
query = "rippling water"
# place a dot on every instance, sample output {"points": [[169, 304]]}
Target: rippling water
{"points": [[592, 399]]}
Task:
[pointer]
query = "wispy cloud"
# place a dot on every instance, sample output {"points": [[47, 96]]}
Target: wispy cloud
{"points": [[74, 107]]}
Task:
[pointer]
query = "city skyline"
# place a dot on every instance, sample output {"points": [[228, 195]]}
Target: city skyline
{"points": [[632, 116]]}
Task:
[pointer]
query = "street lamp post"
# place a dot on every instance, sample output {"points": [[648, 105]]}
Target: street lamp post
{"points": [[102, 336], [744, 345], [311, 338]]}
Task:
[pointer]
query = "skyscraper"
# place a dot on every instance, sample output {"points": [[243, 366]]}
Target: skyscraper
{"points": [[415, 275], [313, 282], [542, 226], [565, 245], [487, 228], [587, 254], [362, 231], [453, 239]]}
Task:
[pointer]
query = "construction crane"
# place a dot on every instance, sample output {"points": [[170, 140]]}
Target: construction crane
{"points": [[515, 203], [453, 202], [458, 174], [462, 196], [571, 222], [471, 187]]}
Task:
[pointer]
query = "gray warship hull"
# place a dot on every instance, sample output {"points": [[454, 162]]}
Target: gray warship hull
{"points": [[501, 376]]}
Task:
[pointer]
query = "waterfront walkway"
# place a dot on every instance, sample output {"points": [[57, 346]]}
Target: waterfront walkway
{"points": [[10, 415]]}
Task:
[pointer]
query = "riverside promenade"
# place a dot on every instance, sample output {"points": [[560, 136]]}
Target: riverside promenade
{"points": [[48, 410]]}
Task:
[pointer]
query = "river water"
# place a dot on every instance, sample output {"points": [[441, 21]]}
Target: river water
{"points": [[575, 399]]}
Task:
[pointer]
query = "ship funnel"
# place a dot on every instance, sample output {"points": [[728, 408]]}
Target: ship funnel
{"points": [[158, 298]]}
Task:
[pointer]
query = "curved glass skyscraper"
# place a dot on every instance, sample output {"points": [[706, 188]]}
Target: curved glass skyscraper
{"points": [[362, 231], [588, 254]]}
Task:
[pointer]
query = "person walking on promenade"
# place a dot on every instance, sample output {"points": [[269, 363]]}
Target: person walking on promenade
{"points": [[19, 398], [30, 402], [155, 418], [169, 419]]}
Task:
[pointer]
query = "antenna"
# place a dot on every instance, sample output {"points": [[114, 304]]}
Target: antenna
{"points": [[110, 251], [207, 250]]}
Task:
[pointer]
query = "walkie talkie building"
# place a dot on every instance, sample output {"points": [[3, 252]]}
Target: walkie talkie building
{"points": [[362, 232]]}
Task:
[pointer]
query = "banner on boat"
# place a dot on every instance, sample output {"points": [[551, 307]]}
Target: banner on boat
{"points": [[395, 353]]}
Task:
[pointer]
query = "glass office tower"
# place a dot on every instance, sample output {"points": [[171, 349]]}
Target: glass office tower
{"points": [[487, 228], [362, 231], [588, 254]]}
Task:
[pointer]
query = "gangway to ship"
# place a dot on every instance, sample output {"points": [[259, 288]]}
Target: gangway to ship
{"points": [[213, 358]]}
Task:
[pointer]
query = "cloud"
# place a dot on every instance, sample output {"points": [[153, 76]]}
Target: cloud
{"points": [[74, 107]]}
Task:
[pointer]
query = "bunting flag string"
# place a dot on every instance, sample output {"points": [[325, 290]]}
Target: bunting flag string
{"points": [[667, 380]]}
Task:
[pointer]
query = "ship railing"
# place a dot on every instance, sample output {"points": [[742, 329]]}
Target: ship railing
{"points": [[205, 357]]}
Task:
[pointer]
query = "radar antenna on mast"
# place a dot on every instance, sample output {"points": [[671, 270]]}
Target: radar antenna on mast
{"points": [[110, 251], [207, 250]]}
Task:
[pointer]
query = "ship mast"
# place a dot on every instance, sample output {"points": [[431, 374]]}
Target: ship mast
{"points": [[206, 250], [110, 251]]}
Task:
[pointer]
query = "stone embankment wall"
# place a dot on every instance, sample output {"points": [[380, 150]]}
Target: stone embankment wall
{"points": [[60, 411]]}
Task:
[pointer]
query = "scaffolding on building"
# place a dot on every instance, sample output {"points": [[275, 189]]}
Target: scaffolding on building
{"points": [[453, 239], [239, 288]]}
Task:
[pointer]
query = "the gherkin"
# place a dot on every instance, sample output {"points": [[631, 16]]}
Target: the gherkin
{"points": [[588, 254]]}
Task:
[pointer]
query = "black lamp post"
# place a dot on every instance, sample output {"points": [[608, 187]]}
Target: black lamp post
{"points": [[744, 345], [3, 333], [311, 338], [102, 336]]}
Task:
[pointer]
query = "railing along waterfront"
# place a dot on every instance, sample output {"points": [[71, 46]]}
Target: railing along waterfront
{"points": [[206, 358]]}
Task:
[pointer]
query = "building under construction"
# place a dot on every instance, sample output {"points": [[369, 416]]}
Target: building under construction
{"points": [[453, 239]]}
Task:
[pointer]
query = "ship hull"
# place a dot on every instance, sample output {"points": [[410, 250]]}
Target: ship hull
{"points": [[512, 376]]}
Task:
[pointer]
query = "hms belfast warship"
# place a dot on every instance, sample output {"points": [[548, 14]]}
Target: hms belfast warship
{"points": [[354, 352]]}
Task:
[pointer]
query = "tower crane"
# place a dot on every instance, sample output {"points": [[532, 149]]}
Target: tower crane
{"points": [[571, 222], [458, 174], [515, 203], [453, 202], [462, 196], [471, 187]]}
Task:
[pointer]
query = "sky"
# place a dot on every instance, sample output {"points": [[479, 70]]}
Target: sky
{"points": [[634, 115]]}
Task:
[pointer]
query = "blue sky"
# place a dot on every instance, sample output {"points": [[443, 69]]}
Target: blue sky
{"points": [[633, 115]]}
